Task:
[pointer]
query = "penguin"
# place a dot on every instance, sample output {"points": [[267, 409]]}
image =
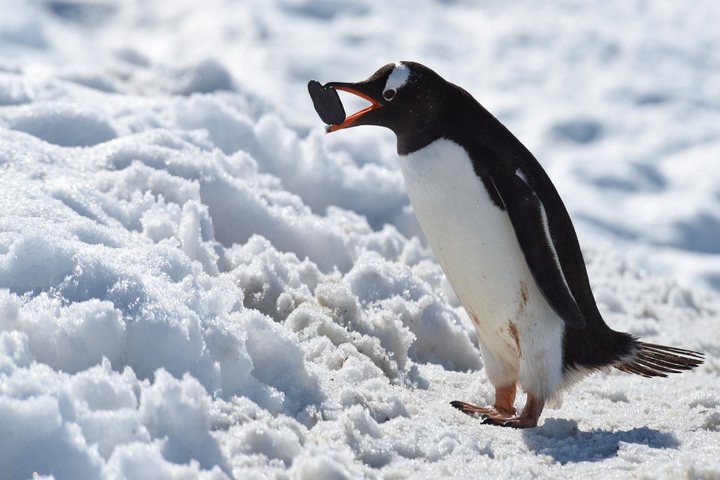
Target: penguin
{"points": [[504, 239]]}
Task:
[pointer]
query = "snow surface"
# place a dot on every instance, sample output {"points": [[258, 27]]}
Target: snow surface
{"points": [[197, 282]]}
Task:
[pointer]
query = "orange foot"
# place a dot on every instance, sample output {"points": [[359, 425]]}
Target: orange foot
{"points": [[514, 422], [484, 412], [503, 413], [503, 407]]}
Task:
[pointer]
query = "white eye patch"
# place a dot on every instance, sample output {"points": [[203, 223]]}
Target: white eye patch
{"points": [[398, 77]]}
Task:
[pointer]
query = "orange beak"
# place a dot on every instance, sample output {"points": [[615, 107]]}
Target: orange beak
{"points": [[374, 104]]}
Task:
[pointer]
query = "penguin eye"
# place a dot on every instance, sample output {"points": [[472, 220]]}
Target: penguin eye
{"points": [[389, 94]]}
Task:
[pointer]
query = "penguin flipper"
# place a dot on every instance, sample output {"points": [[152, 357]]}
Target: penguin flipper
{"points": [[530, 223]]}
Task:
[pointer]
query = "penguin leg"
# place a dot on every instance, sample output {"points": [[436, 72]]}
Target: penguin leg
{"points": [[540, 374], [503, 376], [527, 419]]}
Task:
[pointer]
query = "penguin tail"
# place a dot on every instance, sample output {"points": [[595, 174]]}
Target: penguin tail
{"points": [[651, 360]]}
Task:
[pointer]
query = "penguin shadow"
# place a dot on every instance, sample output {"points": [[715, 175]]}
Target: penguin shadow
{"points": [[564, 442]]}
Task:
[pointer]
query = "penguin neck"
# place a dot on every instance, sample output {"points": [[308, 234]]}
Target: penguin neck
{"points": [[412, 140], [449, 114]]}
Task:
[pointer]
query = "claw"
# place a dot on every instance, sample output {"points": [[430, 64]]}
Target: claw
{"points": [[520, 422]]}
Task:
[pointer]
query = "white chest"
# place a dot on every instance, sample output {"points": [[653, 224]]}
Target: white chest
{"points": [[471, 237]]}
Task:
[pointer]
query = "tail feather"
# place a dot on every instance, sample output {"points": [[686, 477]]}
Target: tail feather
{"points": [[651, 360]]}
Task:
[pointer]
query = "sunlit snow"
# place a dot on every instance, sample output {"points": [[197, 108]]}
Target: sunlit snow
{"points": [[197, 282]]}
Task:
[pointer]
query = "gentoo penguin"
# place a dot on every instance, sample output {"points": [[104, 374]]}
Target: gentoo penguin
{"points": [[503, 237]]}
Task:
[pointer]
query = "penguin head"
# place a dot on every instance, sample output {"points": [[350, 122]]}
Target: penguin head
{"points": [[403, 96]]}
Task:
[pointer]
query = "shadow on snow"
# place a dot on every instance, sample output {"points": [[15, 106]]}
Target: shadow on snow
{"points": [[572, 445]]}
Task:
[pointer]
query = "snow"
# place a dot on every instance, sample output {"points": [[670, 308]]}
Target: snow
{"points": [[197, 282]]}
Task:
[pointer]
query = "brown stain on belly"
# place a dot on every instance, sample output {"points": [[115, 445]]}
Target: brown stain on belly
{"points": [[474, 317], [513, 331], [523, 297], [522, 305]]}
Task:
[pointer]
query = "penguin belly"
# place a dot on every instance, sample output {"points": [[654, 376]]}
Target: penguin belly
{"points": [[474, 242]]}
